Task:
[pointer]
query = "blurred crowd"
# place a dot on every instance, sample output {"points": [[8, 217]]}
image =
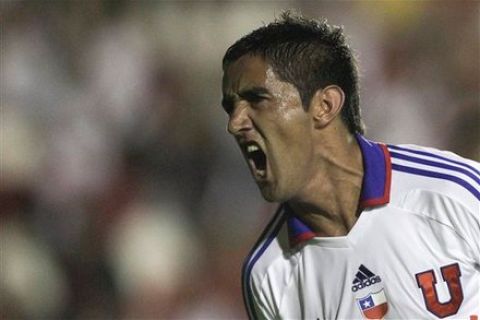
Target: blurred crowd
{"points": [[122, 196]]}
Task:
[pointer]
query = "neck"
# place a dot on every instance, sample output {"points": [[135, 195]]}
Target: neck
{"points": [[329, 203]]}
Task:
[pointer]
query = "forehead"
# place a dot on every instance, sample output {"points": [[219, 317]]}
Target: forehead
{"points": [[248, 70]]}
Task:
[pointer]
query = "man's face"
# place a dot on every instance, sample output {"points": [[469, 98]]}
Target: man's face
{"points": [[270, 125]]}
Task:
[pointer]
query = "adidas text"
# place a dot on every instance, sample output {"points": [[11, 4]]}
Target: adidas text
{"points": [[366, 283]]}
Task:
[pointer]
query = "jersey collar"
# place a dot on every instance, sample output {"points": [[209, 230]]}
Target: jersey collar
{"points": [[375, 187]]}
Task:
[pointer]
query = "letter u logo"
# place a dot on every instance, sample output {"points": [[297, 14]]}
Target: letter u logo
{"points": [[426, 281]]}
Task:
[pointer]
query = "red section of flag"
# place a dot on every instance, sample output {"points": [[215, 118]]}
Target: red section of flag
{"points": [[377, 312]]}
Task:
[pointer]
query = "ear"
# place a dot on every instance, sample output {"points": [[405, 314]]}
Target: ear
{"points": [[326, 104]]}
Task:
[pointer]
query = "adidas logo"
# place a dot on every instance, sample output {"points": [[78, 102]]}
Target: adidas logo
{"points": [[364, 278]]}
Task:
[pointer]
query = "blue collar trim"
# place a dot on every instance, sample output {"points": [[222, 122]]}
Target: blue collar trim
{"points": [[375, 187]]}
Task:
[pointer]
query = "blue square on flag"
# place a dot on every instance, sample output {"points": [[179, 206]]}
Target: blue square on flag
{"points": [[366, 303]]}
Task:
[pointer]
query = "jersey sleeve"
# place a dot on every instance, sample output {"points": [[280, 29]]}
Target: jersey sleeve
{"points": [[467, 224], [462, 217]]}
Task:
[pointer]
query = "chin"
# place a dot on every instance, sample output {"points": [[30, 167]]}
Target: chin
{"points": [[271, 195], [269, 198]]}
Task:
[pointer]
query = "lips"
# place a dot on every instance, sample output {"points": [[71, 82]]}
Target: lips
{"points": [[256, 159]]}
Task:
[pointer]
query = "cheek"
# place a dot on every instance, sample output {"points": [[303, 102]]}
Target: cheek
{"points": [[293, 146], [294, 127]]}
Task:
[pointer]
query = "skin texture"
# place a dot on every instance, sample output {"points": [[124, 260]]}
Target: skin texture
{"points": [[313, 162]]}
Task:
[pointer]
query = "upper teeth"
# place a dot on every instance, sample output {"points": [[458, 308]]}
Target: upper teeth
{"points": [[252, 148]]}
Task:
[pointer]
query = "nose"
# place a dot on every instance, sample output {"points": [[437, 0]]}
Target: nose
{"points": [[239, 120]]}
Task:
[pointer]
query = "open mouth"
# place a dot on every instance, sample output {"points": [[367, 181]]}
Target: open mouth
{"points": [[256, 159]]}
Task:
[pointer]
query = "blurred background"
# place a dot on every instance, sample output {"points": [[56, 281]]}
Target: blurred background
{"points": [[122, 196]]}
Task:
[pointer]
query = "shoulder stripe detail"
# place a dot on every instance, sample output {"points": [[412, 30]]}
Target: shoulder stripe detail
{"points": [[429, 154], [438, 175], [436, 164], [258, 249]]}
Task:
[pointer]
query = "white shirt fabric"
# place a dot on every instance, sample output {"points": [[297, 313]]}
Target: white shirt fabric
{"points": [[414, 252]]}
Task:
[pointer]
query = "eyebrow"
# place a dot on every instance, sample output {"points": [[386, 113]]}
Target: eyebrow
{"points": [[253, 91], [246, 94]]}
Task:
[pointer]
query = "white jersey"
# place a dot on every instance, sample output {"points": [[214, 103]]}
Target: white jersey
{"points": [[414, 252]]}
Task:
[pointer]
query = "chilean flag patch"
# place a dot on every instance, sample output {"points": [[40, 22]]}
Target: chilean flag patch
{"points": [[374, 306]]}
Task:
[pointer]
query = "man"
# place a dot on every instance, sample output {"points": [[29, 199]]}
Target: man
{"points": [[364, 230]]}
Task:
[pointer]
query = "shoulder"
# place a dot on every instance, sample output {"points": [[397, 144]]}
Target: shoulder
{"points": [[438, 185], [436, 173], [264, 268]]}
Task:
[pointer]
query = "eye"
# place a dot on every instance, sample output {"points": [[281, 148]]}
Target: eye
{"points": [[227, 106], [256, 100]]}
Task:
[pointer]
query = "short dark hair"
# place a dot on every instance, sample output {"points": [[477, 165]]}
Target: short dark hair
{"points": [[310, 55]]}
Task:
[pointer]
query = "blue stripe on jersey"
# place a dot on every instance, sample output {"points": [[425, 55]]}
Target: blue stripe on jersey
{"points": [[436, 164], [270, 233], [438, 175], [375, 166], [429, 154]]}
